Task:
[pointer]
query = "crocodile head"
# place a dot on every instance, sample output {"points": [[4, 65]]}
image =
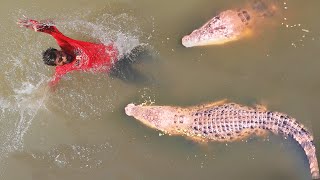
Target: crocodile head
{"points": [[156, 117], [228, 26]]}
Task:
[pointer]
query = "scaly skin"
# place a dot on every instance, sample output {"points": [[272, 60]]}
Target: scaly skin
{"points": [[229, 25], [222, 121]]}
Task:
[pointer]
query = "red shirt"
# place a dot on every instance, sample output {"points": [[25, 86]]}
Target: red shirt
{"points": [[94, 57]]}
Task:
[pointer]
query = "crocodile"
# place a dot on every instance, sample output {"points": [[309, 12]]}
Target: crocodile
{"points": [[224, 121], [230, 25]]}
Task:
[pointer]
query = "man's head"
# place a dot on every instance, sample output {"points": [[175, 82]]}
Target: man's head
{"points": [[54, 57]]}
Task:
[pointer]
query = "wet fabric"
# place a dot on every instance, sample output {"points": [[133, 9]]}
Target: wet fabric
{"points": [[93, 56]]}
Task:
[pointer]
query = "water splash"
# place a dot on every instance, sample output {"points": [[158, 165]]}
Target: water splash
{"points": [[26, 78], [124, 32], [147, 97], [18, 113], [108, 29], [28, 104], [24, 93]]}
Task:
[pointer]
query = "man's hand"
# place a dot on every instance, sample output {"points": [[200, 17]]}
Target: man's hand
{"points": [[28, 23], [53, 82], [33, 24]]}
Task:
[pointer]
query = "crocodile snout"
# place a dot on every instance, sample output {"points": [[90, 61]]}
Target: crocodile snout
{"points": [[129, 109]]}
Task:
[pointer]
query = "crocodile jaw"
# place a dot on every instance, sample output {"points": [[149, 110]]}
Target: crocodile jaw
{"points": [[223, 28]]}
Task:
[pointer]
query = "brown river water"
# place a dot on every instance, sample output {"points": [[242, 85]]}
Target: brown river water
{"points": [[79, 131]]}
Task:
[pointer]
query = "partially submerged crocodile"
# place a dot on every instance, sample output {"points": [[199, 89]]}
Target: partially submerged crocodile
{"points": [[221, 121], [229, 25]]}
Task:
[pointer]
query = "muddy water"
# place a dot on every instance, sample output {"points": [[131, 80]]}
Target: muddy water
{"points": [[79, 130]]}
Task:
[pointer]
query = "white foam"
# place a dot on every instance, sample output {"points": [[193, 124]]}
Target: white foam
{"points": [[26, 88], [109, 28], [26, 77], [4, 104]]}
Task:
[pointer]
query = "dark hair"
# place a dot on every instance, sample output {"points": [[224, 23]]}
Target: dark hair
{"points": [[49, 56]]}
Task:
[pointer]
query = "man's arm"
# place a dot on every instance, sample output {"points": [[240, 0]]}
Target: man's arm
{"points": [[60, 71], [54, 81], [48, 27], [41, 26]]}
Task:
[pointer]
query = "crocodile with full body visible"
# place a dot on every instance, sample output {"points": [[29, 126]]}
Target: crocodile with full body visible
{"points": [[221, 121], [230, 25]]}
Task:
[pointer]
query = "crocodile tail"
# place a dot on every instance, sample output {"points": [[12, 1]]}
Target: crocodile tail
{"points": [[288, 126], [306, 142]]}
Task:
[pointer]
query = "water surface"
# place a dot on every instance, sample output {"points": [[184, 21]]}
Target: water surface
{"points": [[80, 131]]}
